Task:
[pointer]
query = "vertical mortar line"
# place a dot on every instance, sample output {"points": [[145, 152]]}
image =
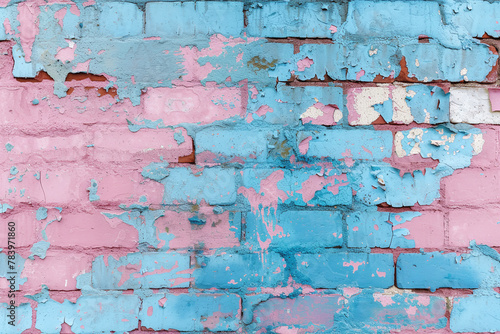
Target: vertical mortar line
{"points": [[144, 19]]}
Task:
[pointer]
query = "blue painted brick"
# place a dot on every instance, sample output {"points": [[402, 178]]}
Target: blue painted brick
{"points": [[331, 270], [384, 313], [173, 19], [120, 19], [23, 317], [191, 312], [397, 19], [334, 144], [385, 184], [432, 61], [255, 61], [478, 314], [217, 186], [299, 187], [227, 271], [307, 230], [436, 270], [357, 61], [223, 146], [369, 229], [428, 104], [477, 17], [286, 104], [90, 314], [282, 19], [141, 270]]}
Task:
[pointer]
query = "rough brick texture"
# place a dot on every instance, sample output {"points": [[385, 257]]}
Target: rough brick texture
{"points": [[249, 167]]}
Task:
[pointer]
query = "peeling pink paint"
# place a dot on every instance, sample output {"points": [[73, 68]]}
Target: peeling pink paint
{"points": [[304, 145], [354, 265], [304, 63], [28, 26]]}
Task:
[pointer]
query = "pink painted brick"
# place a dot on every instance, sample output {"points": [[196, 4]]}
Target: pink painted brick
{"points": [[55, 187], [481, 225], [426, 230], [87, 103], [58, 270], [120, 144], [215, 233], [489, 153], [201, 105], [33, 149], [14, 108], [68, 186], [126, 187], [472, 187], [27, 228], [91, 230]]}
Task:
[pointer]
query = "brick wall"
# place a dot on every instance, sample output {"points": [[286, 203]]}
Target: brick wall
{"points": [[250, 167]]}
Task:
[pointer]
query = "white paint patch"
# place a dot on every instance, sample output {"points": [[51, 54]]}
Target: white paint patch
{"points": [[312, 112], [477, 144]]}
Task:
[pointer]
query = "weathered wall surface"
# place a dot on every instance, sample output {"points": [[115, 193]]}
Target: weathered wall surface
{"points": [[265, 167]]}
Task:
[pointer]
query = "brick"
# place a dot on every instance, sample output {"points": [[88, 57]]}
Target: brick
{"points": [[269, 187], [418, 229], [90, 314], [257, 61], [226, 271], [172, 19], [125, 187], [332, 59], [120, 19], [397, 104], [436, 270], [431, 61], [452, 146], [214, 185], [477, 18], [471, 105], [369, 229], [396, 19], [331, 270], [145, 145], [281, 19], [64, 268], [294, 105], [27, 228], [221, 146], [47, 149], [386, 312], [477, 314], [198, 104], [481, 225], [318, 311], [382, 184], [175, 230], [294, 230], [362, 144], [472, 186], [15, 109], [141, 270], [53, 187], [23, 318], [489, 152], [191, 312], [90, 230]]}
